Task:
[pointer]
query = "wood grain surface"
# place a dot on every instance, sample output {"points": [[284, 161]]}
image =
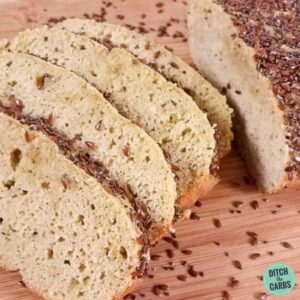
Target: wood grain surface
{"points": [[219, 237]]}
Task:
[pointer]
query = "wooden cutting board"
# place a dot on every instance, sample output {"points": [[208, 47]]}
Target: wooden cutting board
{"points": [[220, 236]]}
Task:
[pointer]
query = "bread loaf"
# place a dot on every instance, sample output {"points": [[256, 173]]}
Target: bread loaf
{"points": [[250, 48], [66, 235], [124, 152], [169, 65], [163, 110]]}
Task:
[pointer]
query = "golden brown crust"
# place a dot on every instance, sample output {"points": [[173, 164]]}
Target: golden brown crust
{"points": [[159, 233], [196, 191]]}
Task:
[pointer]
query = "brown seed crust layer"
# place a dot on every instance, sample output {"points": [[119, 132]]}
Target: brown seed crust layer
{"points": [[272, 29]]}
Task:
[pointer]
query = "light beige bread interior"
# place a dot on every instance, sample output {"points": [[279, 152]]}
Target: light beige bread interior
{"points": [[169, 65], [128, 155], [68, 242], [226, 60], [163, 110]]}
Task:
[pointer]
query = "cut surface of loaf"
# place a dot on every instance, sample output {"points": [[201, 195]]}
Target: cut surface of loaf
{"points": [[238, 46], [68, 241], [124, 152], [169, 65], [163, 110]]}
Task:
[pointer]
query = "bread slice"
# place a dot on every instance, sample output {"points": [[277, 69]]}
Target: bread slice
{"points": [[125, 152], [169, 65], [73, 241], [242, 50], [163, 110]]}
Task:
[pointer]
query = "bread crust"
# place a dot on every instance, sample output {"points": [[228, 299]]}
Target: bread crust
{"points": [[197, 191]]}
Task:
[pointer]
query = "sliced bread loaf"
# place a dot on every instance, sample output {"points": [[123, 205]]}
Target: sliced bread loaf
{"points": [[123, 151], [163, 110], [65, 234], [169, 65], [239, 46]]}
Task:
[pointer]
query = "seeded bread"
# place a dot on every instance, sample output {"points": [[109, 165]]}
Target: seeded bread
{"points": [[74, 108], [163, 110], [239, 47], [74, 242], [169, 65]]}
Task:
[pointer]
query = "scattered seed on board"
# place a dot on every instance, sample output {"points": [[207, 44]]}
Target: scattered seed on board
{"points": [[168, 239], [175, 244], [262, 296], [156, 290], [238, 204], [155, 257], [234, 283], [254, 204], [21, 282], [252, 234], [225, 295], [182, 277], [286, 245], [217, 223], [187, 252], [130, 297], [192, 272], [254, 256], [198, 203], [201, 273], [170, 253], [237, 264], [194, 216]]}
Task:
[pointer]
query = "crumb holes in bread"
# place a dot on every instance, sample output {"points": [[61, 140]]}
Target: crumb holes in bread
{"points": [[92, 206], [74, 282], [80, 294], [93, 73], [45, 185], [80, 219], [123, 252], [61, 239], [67, 262], [50, 254], [15, 158], [9, 183], [86, 280], [186, 131], [81, 267], [1, 221], [173, 118]]}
